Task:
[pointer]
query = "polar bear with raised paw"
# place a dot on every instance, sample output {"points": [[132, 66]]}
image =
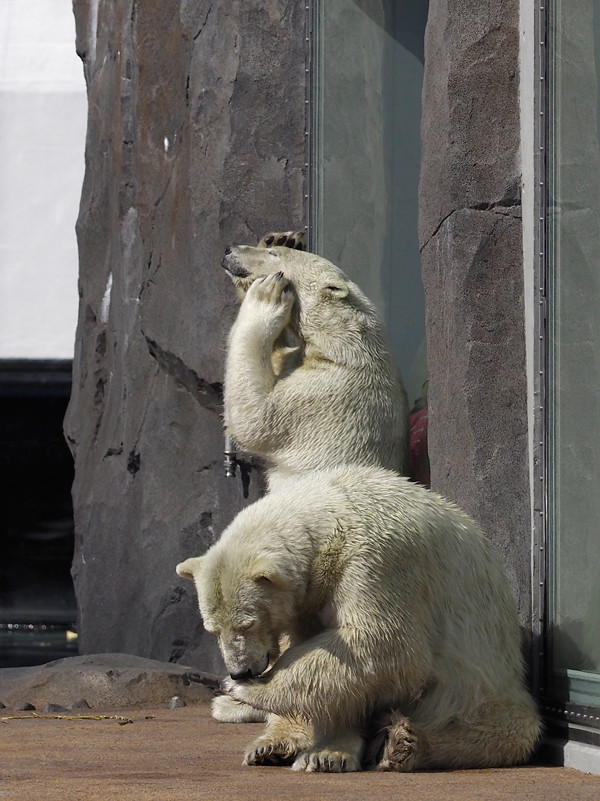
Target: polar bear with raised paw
{"points": [[310, 379], [402, 643]]}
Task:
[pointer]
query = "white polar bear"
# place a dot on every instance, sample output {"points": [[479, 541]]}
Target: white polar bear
{"points": [[396, 614], [310, 380]]}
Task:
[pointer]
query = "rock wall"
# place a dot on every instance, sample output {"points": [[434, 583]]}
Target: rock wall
{"points": [[195, 140], [472, 263]]}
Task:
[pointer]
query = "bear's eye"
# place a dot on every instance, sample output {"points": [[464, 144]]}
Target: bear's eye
{"points": [[246, 625]]}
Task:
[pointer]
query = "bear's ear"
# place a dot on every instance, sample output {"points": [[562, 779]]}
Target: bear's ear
{"points": [[335, 288], [266, 570], [190, 568]]}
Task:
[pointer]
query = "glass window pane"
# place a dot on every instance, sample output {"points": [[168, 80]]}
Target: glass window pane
{"points": [[369, 76], [574, 291]]}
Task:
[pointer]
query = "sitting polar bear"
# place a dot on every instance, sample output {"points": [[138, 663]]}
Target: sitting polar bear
{"points": [[310, 380], [395, 615]]}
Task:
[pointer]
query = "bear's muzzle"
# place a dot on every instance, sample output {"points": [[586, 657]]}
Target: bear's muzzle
{"points": [[231, 264]]}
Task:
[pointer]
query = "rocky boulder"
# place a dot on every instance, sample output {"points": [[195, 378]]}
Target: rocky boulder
{"points": [[102, 681]]}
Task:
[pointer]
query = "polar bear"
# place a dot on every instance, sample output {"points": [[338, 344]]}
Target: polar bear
{"points": [[310, 380], [396, 614]]}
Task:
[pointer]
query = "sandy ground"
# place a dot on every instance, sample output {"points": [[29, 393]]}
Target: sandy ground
{"points": [[178, 754]]}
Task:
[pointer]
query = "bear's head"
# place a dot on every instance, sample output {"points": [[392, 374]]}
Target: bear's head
{"points": [[327, 302], [245, 603]]}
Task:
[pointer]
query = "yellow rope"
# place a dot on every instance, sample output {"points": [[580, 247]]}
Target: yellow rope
{"points": [[122, 721]]}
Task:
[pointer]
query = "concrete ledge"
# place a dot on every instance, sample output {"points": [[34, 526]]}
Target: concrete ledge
{"points": [[570, 754]]}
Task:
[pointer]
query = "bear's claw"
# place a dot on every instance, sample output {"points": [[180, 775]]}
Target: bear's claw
{"points": [[274, 289], [271, 753], [326, 762], [281, 743]]}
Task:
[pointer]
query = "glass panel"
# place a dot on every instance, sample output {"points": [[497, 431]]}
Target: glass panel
{"points": [[369, 76], [574, 290]]}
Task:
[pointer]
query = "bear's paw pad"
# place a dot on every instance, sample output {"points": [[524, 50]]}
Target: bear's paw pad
{"points": [[401, 747], [288, 239]]}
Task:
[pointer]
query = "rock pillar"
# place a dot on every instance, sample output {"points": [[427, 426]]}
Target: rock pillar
{"points": [[472, 262], [195, 140]]}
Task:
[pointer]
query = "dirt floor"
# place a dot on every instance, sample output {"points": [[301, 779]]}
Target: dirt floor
{"points": [[178, 754]]}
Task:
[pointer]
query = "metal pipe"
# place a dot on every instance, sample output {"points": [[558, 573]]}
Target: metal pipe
{"points": [[230, 461]]}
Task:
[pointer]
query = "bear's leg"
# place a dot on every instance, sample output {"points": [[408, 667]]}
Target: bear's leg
{"points": [[497, 734], [227, 710], [282, 741], [501, 732], [340, 752], [323, 681], [249, 376]]}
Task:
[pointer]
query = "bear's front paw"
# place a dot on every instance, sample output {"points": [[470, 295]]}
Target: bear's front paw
{"points": [[228, 710], [274, 296], [227, 685], [266, 751], [245, 691], [325, 761]]}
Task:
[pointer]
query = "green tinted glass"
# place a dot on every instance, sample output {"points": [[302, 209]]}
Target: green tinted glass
{"points": [[368, 77], [574, 351]]}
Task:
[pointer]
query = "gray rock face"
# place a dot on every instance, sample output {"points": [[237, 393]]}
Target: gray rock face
{"points": [[103, 681], [195, 140], [472, 262]]}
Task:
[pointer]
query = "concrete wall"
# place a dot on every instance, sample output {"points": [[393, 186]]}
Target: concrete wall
{"points": [[195, 140]]}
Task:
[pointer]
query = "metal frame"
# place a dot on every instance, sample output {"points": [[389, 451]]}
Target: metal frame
{"points": [[313, 43], [540, 433]]}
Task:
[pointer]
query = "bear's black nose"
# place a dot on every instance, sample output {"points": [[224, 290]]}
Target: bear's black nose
{"points": [[228, 250], [246, 674]]}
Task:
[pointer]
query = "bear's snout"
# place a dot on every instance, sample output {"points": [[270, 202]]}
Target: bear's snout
{"points": [[246, 674], [231, 263]]}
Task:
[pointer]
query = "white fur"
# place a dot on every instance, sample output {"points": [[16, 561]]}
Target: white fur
{"points": [[398, 615], [310, 380], [226, 709]]}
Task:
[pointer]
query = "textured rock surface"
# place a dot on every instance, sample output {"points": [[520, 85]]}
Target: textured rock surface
{"points": [[472, 262], [195, 140], [104, 680]]}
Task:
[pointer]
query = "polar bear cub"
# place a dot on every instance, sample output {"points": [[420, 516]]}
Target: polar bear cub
{"points": [[397, 614], [310, 380]]}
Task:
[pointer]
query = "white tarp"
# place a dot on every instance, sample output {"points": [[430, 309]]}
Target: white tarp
{"points": [[42, 138]]}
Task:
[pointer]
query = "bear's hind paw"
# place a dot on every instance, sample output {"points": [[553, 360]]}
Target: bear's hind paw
{"points": [[400, 752]]}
